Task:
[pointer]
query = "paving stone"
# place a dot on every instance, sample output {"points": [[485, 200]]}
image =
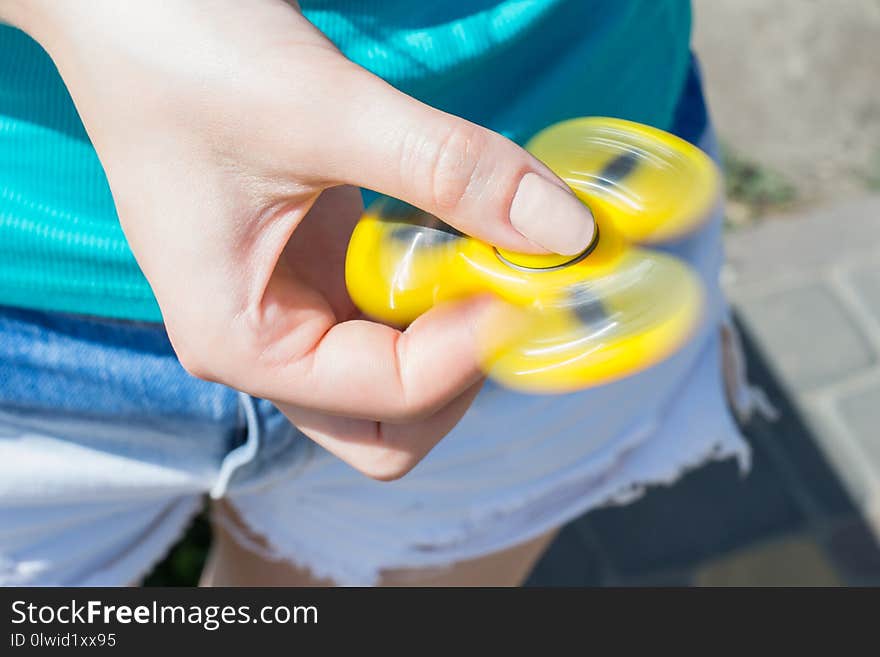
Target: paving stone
{"points": [[808, 335], [866, 281], [805, 243], [793, 443], [797, 561], [861, 412], [841, 457]]}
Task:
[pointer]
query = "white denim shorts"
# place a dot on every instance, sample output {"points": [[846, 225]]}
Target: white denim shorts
{"points": [[108, 449]]}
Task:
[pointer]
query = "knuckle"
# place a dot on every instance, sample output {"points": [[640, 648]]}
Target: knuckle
{"points": [[198, 352], [387, 465], [454, 165], [194, 361]]}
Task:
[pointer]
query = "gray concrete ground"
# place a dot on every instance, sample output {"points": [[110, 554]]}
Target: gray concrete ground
{"points": [[808, 287], [795, 84]]}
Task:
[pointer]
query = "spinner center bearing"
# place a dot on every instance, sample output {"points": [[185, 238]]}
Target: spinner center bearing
{"points": [[545, 262]]}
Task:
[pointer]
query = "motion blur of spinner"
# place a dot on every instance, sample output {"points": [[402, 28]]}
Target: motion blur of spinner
{"points": [[615, 309]]}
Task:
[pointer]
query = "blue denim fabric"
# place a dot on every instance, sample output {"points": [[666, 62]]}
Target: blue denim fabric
{"points": [[127, 375]]}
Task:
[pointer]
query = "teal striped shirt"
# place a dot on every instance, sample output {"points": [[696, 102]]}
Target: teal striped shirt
{"points": [[515, 66]]}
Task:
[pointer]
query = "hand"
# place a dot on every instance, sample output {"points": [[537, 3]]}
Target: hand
{"points": [[233, 135]]}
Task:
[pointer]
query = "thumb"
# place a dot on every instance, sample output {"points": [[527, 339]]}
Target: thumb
{"points": [[470, 177]]}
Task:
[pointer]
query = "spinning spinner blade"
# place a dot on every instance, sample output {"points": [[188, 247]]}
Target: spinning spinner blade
{"points": [[613, 310]]}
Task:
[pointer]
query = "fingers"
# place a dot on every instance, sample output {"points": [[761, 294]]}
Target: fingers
{"points": [[472, 178], [366, 370], [381, 451]]}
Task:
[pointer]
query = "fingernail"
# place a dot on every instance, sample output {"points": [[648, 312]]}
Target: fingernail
{"points": [[550, 216]]}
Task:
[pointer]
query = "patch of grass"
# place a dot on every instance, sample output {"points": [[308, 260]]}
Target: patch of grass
{"points": [[753, 190], [183, 565]]}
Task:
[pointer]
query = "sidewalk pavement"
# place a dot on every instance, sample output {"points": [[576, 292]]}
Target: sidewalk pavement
{"points": [[806, 292], [809, 290]]}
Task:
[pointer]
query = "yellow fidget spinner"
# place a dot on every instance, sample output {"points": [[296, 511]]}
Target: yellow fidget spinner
{"points": [[613, 310]]}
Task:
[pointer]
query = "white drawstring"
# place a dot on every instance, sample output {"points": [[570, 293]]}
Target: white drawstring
{"points": [[242, 454]]}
